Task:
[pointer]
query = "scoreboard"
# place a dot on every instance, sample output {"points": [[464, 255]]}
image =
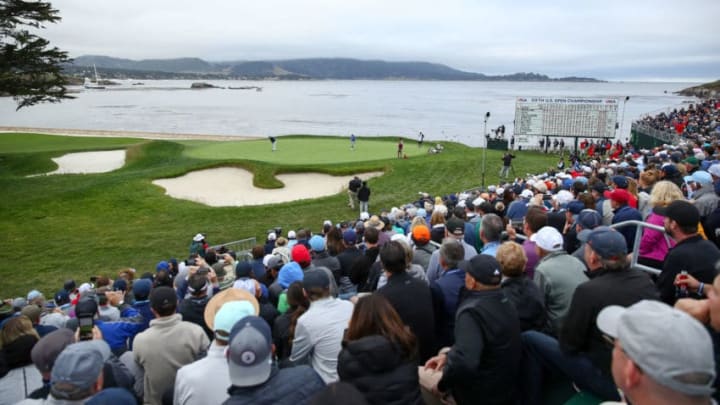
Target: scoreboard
{"points": [[566, 116]]}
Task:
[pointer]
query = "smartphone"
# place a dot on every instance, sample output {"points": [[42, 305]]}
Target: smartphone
{"points": [[86, 328]]}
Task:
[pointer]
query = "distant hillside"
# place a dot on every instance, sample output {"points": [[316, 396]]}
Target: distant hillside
{"points": [[294, 69], [707, 90]]}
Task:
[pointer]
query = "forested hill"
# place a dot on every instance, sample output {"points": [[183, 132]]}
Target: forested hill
{"points": [[294, 69]]}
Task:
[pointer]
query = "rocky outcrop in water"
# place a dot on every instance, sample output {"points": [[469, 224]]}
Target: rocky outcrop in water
{"points": [[707, 90]]}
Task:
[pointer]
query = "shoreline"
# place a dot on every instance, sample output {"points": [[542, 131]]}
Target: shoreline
{"points": [[127, 134]]}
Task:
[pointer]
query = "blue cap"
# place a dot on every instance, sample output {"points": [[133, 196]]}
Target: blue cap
{"points": [[350, 237], [317, 243], [249, 353], [33, 294], [317, 278], [607, 243], [620, 181], [289, 274], [700, 177], [589, 219], [112, 396], [62, 297], [243, 269], [575, 207], [120, 285], [163, 265], [141, 289]]}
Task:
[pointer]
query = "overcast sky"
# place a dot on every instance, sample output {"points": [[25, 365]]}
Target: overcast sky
{"points": [[609, 39]]}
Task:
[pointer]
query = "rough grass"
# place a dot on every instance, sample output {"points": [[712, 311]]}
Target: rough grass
{"points": [[75, 226]]}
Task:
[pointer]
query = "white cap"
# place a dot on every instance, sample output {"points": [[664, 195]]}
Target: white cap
{"points": [[364, 216], [526, 194], [198, 237], [548, 239], [272, 236], [291, 235], [327, 222], [714, 170]]}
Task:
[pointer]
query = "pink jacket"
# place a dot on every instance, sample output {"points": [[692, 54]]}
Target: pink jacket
{"points": [[652, 243]]}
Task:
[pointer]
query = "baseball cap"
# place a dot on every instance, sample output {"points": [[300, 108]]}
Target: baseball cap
{"points": [[364, 216], [120, 285], [548, 238], [197, 283], [680, 211], [33, 294], [243, 269], [163, 265], [421, 234], [249, 353], [619, 195], [69, 285], [272, 236], [292, 235], [300, 254], [575, 207], [607, 243], [702, 177], [483, 268], [315, 279], [350, 237], [78, 367], [670, 346], [456, 226], [669, 169], [62, 297], [526, 194], [317, 243], [620, 181], [49, 347], [86, 306], [289, 274], [600, 187], [141, 289], [163, 298], [275, 262], [589, 219], [228, 315], [198, 237], [692, 160]]}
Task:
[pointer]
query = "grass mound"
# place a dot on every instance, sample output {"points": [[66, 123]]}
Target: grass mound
{"points": [[75, 226]]}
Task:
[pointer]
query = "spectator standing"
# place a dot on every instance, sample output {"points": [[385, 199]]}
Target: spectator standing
{"points": [[167, 345], [446, 290], [353, 188], [363, 196], [455, 228], [653, 244]]}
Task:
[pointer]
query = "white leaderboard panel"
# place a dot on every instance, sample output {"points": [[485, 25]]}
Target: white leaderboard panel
{"points": [[566, 116]]}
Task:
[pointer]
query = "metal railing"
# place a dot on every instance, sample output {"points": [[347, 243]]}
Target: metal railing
{"points": [[665, 136], [242, 247], [636, 247]]}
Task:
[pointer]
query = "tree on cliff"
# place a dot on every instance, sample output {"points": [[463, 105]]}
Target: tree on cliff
{"points": [[30, 70]]}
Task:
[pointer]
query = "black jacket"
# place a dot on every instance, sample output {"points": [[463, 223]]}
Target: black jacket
{"points": [[579, 333], [364, 194], [694, 255], [529, 302], [193, 310], [483, 366], [380, 370], [412, 300]]}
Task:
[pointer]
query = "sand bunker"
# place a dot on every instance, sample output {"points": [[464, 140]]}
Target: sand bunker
{"points": [[89, 162], [233, 187]]}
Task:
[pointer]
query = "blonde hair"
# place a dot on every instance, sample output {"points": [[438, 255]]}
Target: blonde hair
{"points": [[512, 259], [437, 217], [664, 192], [16, 327], [417, 221], [632, 187]]}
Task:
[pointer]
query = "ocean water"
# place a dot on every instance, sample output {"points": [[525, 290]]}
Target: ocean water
{"points": [[452, 111]]}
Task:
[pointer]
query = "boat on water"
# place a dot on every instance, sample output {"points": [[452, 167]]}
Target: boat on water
{"points": [[89, 84], [256, 88]]}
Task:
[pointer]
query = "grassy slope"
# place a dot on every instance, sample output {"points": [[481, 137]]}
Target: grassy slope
{"points": [[58, 227]]}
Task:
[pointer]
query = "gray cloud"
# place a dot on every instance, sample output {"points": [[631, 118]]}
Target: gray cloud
{"points": [[610, 39]]}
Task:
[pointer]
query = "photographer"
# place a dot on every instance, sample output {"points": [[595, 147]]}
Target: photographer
{"points": [[507, 164]]}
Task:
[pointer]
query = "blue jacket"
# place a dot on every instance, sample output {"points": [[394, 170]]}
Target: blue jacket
{"points": [[446, 295], [627, 213], [143, 307], [120, 334], [287, 386]]}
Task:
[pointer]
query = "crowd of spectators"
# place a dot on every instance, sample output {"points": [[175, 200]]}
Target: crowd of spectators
{"points": [[480, 296], [698, 122]]}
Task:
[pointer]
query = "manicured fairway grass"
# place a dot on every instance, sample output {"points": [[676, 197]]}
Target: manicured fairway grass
{"points": [[73, 226]]}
